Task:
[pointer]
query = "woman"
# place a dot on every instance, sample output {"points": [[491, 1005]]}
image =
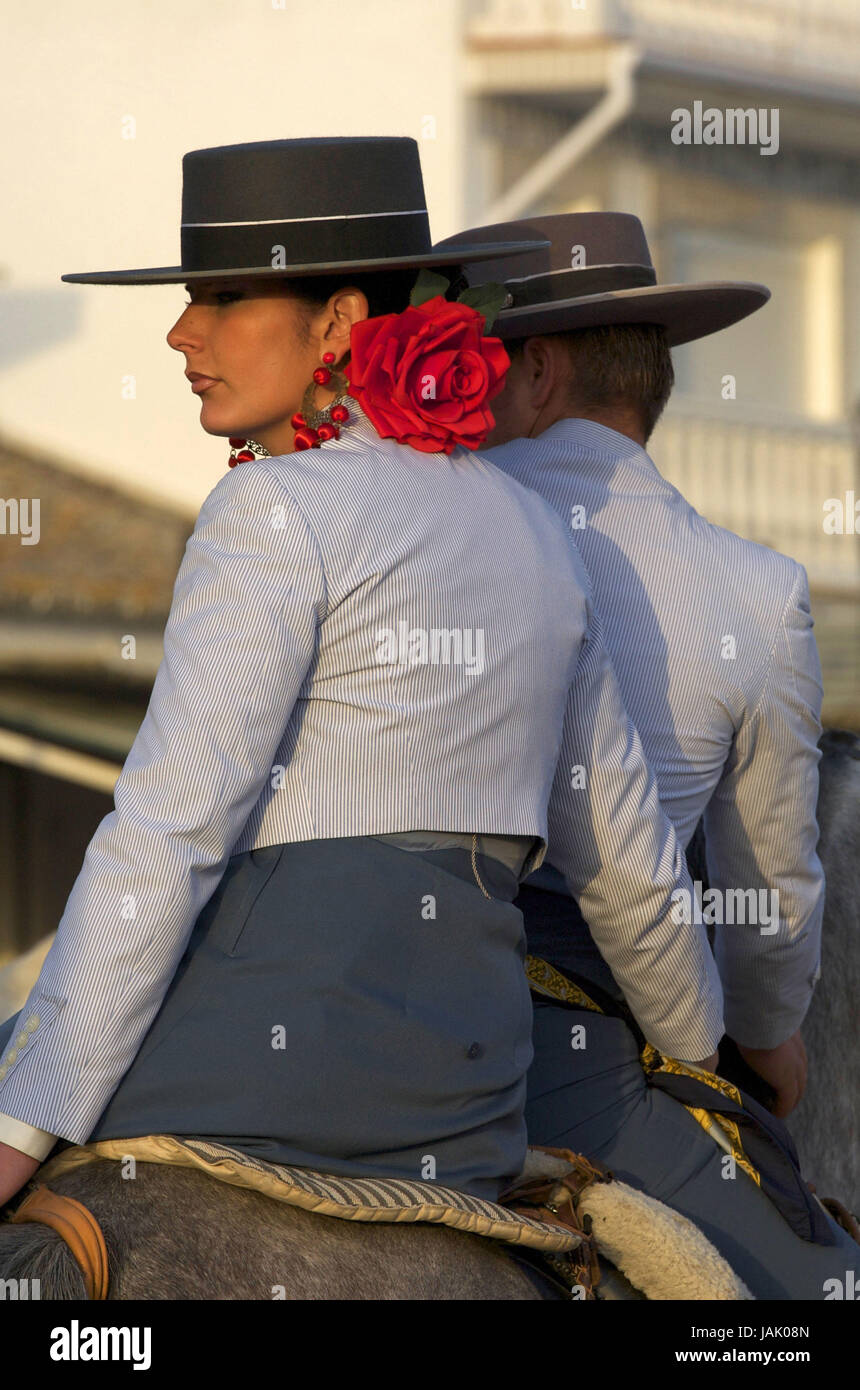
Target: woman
{"points": [[295, 932]]}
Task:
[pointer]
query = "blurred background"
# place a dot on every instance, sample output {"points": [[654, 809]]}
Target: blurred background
{"points": [[519, 107]]}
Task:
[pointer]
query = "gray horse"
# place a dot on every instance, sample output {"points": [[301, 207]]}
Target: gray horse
{"points": [[239, 1244], [176, 1233], [826, 1123]]}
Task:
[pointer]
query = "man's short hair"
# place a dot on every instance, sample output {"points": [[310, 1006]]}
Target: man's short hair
{"points": [[615, 365]]}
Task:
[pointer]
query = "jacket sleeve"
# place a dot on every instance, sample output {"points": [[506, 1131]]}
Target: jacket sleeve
{"points": [[239, 641], [761, 834], [619, 854]]}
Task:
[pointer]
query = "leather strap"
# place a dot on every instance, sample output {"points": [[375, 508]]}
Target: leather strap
{"points": [[77, 1226], [554, 1200]]}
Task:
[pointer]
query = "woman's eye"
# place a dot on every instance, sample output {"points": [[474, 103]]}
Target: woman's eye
{"points": [[220, 296]]}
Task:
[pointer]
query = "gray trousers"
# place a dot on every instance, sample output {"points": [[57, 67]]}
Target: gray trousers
{"points": [[350, 1006], [595, 1101]]}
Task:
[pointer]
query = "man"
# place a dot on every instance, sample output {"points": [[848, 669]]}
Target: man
{"points": [[711, 637]]}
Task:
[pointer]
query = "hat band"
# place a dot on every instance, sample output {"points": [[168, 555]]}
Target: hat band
{"points": [[310, 241], [551, 285]]}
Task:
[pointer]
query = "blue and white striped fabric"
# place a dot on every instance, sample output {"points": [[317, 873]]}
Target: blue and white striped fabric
{"points": [[711, 639], [282, 712]]}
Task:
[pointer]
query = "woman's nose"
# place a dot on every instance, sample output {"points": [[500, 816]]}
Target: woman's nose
{"points": [[186, 332]]}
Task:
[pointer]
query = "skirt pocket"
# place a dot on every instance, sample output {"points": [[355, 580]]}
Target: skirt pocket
{"points": [[261, 864]]}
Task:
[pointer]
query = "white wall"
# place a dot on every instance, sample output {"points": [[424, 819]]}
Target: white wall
{"points": [[78, 196]]}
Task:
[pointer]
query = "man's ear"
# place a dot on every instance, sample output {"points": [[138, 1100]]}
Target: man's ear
{"points": [[540, 371]]}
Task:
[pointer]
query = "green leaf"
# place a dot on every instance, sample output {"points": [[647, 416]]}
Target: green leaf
{"points": [[426, 286], [487, 299]]}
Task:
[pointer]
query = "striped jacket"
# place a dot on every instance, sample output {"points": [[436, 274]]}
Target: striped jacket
{"points": [[711, 638], [361, 640]]}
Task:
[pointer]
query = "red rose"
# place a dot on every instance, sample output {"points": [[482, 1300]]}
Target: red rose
{"points": [[424, 377]]}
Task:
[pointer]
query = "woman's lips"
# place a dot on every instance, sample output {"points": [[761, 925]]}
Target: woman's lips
{"points": [[202, 383]]}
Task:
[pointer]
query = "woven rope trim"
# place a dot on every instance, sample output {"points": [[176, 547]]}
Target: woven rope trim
{"points": [[349, 1199]]}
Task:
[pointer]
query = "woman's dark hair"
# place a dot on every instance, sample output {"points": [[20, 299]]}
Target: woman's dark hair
{"points": [[387, 291]]}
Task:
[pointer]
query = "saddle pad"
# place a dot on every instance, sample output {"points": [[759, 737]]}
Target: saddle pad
{"points": [[352, 1199]]}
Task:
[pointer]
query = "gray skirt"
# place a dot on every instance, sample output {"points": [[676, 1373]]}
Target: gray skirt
{"points": [[349, 1006]]}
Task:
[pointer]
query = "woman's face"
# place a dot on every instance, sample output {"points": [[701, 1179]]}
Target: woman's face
{"points": [[253, 350]]}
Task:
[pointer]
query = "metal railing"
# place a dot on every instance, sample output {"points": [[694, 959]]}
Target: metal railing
{"points": [[769, 482], [797, 40]]}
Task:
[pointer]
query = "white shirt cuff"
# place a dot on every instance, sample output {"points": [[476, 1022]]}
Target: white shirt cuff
{"points": [[36, 1143]]}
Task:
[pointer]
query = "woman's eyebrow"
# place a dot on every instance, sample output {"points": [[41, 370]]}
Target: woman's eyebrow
{"points": [[204, 288]]}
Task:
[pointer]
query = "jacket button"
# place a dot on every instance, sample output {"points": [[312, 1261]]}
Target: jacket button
{"points": [[21, 1039], [32, 1023], [475, 1050], [10, 1056]]}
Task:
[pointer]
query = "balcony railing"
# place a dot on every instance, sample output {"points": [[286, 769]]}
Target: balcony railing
{"points": [[768, 482], [795, 41]]}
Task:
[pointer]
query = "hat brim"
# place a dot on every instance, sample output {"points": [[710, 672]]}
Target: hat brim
{"points": [[686, 312], [175, 275]]}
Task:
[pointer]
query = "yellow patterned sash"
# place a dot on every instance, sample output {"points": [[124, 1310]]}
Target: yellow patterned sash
{"points": [[545, 980]]}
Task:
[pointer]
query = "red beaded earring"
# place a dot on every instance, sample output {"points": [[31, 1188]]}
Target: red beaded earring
{"points": [[313, 427]]}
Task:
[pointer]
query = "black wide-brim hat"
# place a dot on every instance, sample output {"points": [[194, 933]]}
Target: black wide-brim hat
{"points": [[304, 207], [597, 270]]}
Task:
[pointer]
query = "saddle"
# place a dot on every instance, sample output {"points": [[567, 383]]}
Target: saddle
{"points": [[541, 1217], [560, 1214]]}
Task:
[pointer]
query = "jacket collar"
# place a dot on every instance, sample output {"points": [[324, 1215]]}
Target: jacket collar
{"points": [[599, 440], [585, 449]]}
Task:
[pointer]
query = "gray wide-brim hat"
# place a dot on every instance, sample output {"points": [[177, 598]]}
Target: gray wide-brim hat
{"points": [[597, 270], [304, 207]]}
